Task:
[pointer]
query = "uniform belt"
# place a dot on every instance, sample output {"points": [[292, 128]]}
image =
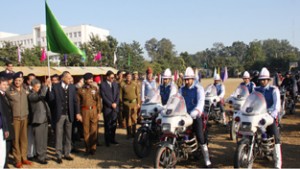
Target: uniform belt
{"points": [[130, 101], [88, 107]]}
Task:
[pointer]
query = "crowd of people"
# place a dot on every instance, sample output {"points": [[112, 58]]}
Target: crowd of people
{"points": [[27, 107]]}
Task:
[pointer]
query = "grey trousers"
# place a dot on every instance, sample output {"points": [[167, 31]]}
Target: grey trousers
{"points": [[63, 130], [40, 132]]}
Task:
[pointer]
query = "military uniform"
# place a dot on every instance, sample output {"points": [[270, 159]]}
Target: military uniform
{"points": [[129, 93], [121, 119], [89, 100]]}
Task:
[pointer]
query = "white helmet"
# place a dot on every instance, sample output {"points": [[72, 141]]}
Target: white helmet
{"points": [[246, 75], [189, 73], [167, 74], [217, 77], [264, 74]]}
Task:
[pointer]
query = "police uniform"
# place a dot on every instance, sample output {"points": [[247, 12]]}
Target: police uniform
{"points": [[121, 119], [167, 91], [250, 86], [194, 99], [130, 97], [89, 101], [272, 97]]}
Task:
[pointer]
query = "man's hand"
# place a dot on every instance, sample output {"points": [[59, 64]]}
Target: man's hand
{"points": [[6, 134], [114, 105], [138, 106], [99, 116], [194, 114], [79, 117]]}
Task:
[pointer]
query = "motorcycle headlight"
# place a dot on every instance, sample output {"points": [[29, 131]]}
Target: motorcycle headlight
{"points": [[166, 127], [143, 112]]}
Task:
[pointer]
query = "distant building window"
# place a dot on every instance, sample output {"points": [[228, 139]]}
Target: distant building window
{"points": [[31, 41], [79, 43], [75, 34], [79, 34], [70, 34], [24, 42], [43, 39]]}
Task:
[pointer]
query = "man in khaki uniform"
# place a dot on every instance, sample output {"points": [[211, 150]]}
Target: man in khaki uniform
{"points": [[17, 96], [139, 86], [120, 81], [89, 100], [130, 96]]}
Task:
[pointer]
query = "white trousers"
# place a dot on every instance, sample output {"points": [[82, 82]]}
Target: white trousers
{"points": [[2, 149], [31, 152]]}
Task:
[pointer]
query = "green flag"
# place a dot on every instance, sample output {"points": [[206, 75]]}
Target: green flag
{"points": [[57, 40], [129, 60]]}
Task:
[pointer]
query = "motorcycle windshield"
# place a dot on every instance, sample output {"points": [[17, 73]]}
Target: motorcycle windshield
{"points": [[241, 93], [211, 91], [175, 106], [255, 104], [156, 99]]}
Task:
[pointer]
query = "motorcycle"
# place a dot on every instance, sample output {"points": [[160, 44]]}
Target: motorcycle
{"points": [[253, 120], [210, 107], [178, 141], [236, 101], [149, 132]]}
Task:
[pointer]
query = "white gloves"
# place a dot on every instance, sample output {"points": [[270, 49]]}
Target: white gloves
{"points": [[194, 114]]}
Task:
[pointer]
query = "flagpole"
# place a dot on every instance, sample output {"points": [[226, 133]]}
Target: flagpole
{"points": [[48, 60]]}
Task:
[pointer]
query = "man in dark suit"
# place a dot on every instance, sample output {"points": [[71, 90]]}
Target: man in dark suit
{"points": [[6, 110], [110, 96], [8, 70], [66, 108], [40, 114], [4, 132]]}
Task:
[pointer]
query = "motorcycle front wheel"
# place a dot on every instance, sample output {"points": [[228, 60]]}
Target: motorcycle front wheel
{"points": [[142, 144], [232, 130], [241, 155], [165, 158]]}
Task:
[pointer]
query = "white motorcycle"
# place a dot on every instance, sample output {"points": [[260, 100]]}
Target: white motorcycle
{"points": [[149, 132], [236, 101], [253, 119], [178, 141], [210, 107]]}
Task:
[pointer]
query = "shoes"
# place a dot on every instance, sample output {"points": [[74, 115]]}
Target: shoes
{"points": [[93, 152], [59, 160], [43, 162], [114, 142], [69, 158], [19, 165], [27, 162]]}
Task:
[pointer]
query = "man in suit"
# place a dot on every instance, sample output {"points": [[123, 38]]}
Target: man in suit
{"points": [[4, 132], [110, 97], [6, 110], [39, 118], [66, 108]]}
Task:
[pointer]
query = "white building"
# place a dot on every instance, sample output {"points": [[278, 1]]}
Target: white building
{"points": [[78, 34]]}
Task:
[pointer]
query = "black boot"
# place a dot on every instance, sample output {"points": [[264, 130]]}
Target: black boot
{"points": [[129, 134], [133, 130]]}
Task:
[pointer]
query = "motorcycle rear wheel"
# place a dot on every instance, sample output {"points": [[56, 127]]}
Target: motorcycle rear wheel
{"points": [[241, 155], [142, 144], [165, 158]]}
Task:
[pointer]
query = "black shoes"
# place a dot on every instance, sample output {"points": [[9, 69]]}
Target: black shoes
{"points": [[43, 162], [69, 158], [59, 161], [114, 142]]}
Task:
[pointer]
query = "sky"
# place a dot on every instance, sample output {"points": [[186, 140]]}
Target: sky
{"points": [[192, 25]]}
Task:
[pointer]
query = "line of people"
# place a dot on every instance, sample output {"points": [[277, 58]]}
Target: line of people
{"points": [[25, 109]]}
